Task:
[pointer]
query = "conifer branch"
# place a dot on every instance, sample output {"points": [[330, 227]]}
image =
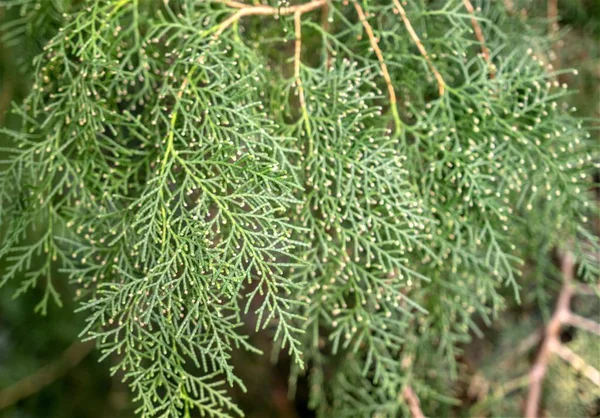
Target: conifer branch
{"points": [[480, 37], [438, 77], [384, 70], [167, 174]]}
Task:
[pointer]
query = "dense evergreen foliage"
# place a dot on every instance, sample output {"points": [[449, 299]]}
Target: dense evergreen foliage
{"points": [[368, 181]]}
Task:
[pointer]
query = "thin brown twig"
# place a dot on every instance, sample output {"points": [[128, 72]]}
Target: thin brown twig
{"points": [[251, 10], [480, 37], [577, 363], [414, 405], [562, 314], [585, 324], [386, 75], [297, 10], [297, 51], [551, 338], [422, 50], [301, 96], [46, 375], [260, 10], [325, 26]]}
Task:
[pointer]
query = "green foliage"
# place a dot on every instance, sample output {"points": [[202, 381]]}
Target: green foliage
{"points": [[165, 162]]}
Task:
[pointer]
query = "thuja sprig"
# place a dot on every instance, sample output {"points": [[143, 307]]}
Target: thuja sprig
{"points": [[191, 174]]}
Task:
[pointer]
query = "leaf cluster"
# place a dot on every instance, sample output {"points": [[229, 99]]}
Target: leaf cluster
{"points": [[193, 174]]}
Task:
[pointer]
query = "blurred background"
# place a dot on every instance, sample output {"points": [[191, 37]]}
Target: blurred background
{"points": [[46, 373]]}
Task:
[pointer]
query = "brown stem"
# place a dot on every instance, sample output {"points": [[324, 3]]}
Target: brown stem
{"points": [[382, 65], [577, 363], [480, 37], [250, 10], [422, 50], [414, 405], [301, 96], [551, 337], [46, 375], [297, 10], [297, 51], [583, 323], [325, 25]]}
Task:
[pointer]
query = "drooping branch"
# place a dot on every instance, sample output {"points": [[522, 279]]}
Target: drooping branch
{"points": [[480, 37], [386, 75], [422, 50], [297, 11], [585, 324], [325, 26]]}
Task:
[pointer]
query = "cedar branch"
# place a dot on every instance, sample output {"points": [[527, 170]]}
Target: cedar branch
{"points": [[297, 51], [479, 35], [382, 65], [422, 50]]}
